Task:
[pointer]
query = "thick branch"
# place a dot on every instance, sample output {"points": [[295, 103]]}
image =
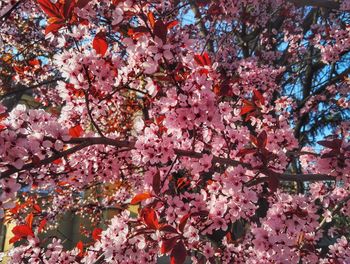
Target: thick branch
{"points": [[86, 142], [83, 144], [201, 24], [306, 177], [26, 88]]}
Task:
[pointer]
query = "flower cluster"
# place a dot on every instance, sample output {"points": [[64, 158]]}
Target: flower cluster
{"points": [[224, 123]]}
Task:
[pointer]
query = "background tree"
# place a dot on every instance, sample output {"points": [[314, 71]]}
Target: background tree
{"points": [[226, 121]]}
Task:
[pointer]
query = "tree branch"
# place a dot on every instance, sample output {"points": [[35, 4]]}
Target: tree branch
{"points": [[335, 210], [26, 88], [86, 142], [322, 88], [83, 144], [8, 13], [317, 3], [306, 177], [201, 24]]}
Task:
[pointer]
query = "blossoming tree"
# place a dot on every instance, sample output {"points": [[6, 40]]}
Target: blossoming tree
{"points": [[226, 122]]}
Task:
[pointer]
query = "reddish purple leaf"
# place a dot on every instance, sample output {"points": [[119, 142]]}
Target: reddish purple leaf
{"points": [[262, 140], [168, 229], [156, 183], [273, 183], [199, 59], [178, 254], [160, 30], [168, 244], [243, 152], [53, 28], [202, 213], [51, 10], [183, 222], [206, 59], [258, 97], [82, 3], [332, 144]]}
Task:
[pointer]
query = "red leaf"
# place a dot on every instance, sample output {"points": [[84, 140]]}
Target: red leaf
{"points": [[156, 183], [80, 246], [182, 182], [168, 229], [183, 222], [151, 19], [34, 62], [37, 208], [168, 244], [140, 197], [217, 90], [36, 160], [57, 161], [199, 59], [96, 233], [68, 8], [51, 10], [243, 152], [254, 140], [16, 209], [202, 2], [333, 144], [100, 43], [82, 3], [14, 239], [172, 24], [150, 218], [262, 140], [29, 220], [214, 10], [160, 30], [116, 2], [160, 119], [206, 59], [42, 225], [53, 28], [203, 71], [76, 131], [76, 92], [229, 237], [3, 116], [21, 231], [225, 88], [178, 254], [135, 33], [202, 213], [258, 97], [248, 107]]}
